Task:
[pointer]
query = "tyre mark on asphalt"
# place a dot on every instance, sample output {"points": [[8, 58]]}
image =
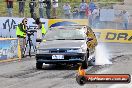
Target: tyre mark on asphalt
{"points": [[71, 75], [98, 67], [51, 72], [16, 75], [34, 72], [62, 74], [25, 73], [17, 61], [123, 59]]}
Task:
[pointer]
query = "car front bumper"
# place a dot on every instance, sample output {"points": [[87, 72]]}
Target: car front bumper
{"points": [[68, 58]]}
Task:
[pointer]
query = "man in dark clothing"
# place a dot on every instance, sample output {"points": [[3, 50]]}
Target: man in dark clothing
{"points": [[91, 6], [41, 30], [9, 7], [48, 7], [21, 7], [32, 6], [75, 12]]}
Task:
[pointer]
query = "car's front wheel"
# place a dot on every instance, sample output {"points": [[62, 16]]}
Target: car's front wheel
{"points": [[39, 65], [85, 63], [92, 61]]}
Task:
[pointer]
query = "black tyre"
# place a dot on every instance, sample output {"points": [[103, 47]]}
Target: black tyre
{"points": [[81, 80], [85, 63], [39, 65], [92, 62]]}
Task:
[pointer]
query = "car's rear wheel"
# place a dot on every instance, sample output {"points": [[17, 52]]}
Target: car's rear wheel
{"points": [[85, 63], [39, 65]]}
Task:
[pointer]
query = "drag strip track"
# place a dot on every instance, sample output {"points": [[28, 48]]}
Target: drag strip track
{"points": [[23, 74]]}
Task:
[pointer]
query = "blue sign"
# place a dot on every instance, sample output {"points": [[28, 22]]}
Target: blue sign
{"points": [[8, 49]]}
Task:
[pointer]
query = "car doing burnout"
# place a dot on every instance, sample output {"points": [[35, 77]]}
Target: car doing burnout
{"points": [[66, 45]]}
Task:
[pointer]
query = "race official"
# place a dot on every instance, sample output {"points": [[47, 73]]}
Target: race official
{"points": [[21, 34], [41, 29]]}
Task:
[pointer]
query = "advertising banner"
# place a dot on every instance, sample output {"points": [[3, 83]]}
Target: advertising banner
{"points": [[63, 22], [8, 29], [8, 49], [116, 36], [8, 25], [107, 15]]}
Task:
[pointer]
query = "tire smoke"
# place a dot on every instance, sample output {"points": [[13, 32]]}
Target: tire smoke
{"points": [[102, 56]]}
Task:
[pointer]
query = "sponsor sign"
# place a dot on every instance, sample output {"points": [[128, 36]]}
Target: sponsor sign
{"points": [[8, 49], [107, 15], [117, 36], [62, 22], [8, 29], [8, 26]]}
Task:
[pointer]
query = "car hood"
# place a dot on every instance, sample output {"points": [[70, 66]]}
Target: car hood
{"points": [[62, 44]]}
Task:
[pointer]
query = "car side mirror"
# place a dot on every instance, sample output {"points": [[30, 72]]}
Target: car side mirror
{"points": [[38, 40]]}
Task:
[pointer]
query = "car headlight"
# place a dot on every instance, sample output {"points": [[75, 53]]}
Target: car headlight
{"points": [[84, 47], [75, 50], [42, 51]]}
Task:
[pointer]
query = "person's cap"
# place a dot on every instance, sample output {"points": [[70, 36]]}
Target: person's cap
{"points": [[37, 21]]}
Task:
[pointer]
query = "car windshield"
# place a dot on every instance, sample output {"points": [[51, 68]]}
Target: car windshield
{"points": [[65, 34]]}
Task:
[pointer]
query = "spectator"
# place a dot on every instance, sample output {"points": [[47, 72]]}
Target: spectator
{"points": [[41, 8], [125, 18], [83, 8], [55, 5], [21, 7], [75, 13], [89, 16], [91, 6], [48, 7], [9, 7], [67, 11], [90, 20], [32, 5], [95, 16]]}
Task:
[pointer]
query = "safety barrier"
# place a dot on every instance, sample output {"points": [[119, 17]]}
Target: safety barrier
{"points": [[8, 28], [115, 36], [9, 49]]}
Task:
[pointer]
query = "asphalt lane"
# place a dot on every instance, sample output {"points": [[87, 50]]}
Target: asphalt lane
{"points": [[23, 74]]}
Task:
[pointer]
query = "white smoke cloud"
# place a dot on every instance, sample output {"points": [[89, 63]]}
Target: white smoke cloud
{"points": [[102, 56]]}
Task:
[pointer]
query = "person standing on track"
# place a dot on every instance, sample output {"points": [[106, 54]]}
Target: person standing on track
{"points": [[41, 29], [21, 34]]}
